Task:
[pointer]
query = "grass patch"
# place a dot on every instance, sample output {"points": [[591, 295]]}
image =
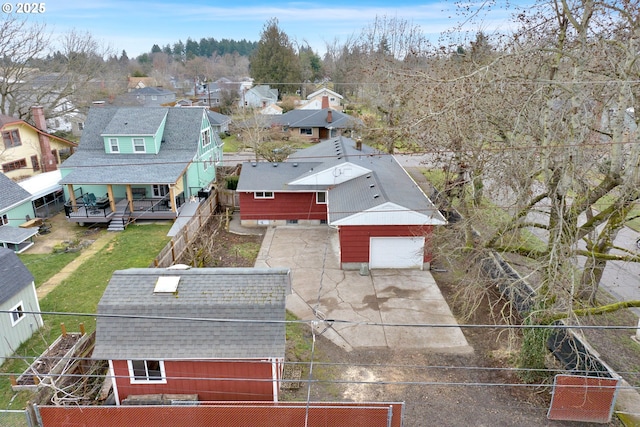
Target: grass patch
{"points": [[248, 250], [137, 246], [299, 339], [231, 144], [44, 266]]}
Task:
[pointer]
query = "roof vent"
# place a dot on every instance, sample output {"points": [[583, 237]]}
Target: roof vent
{"points": [[375, 196], [254, 164], [368, 176], [371, 185], [166, 285], [295, 165], [275, 165]]}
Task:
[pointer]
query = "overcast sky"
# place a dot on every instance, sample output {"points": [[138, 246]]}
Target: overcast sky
{"points": [[136, 25]]}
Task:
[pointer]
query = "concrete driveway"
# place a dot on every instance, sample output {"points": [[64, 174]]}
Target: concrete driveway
{"points": [[360, 311]]}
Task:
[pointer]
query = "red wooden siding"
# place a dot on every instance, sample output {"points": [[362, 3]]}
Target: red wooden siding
{"points": [[203, 377], [354, 239], [300, 206]]}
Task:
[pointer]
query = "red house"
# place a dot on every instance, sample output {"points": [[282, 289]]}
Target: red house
{"points": [[383, 217], [217, 334]]}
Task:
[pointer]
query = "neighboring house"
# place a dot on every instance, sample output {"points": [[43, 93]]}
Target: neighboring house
{"points": [[383, 217], [15, 209], [19, 309], [219, 122], [316, 125], [146, 97], [217, 333], [27, 149], [259, 96], [316, 99], [139, 162]]}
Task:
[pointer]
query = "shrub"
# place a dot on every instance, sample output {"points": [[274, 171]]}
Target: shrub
{"points": [[232, 182]]}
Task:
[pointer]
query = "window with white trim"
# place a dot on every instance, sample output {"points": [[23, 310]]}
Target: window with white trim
{"points": [[113, 143], [321, 198], [146, 371], [4, 220], [138, 145], [160, 190], [206, 137], [16, 313], [306, 131], [263, 195]]}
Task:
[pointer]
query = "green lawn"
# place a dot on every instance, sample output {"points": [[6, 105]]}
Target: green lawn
{"points": [[43, 266], [137, 246]]}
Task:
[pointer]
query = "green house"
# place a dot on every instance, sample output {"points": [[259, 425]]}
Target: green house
{"points": [[16, 209], [139, 163]]}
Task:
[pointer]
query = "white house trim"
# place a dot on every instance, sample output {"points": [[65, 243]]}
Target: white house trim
{"points": [[390, 214]]}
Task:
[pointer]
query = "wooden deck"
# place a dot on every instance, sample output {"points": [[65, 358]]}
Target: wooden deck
{"points": [[143, 209]]}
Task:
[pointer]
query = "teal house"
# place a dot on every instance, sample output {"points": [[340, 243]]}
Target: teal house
{"points": [[16, 209], [139, 163]]}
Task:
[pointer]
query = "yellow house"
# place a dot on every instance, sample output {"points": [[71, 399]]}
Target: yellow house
{"points": [[27, 150]]}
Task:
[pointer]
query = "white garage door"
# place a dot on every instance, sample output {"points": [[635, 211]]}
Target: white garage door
{"points": [[396, 252]]}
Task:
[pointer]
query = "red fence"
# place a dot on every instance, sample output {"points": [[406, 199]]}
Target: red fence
{"points": [[236, 414], [582, 398]]}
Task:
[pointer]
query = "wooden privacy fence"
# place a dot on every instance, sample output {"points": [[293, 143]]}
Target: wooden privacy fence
{"points": [[171, 253]]}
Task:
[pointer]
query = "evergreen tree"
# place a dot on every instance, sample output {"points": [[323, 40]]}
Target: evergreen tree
{"points": [[275, 61]]}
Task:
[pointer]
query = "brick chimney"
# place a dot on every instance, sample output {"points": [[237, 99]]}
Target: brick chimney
{"points": [[325, 102], [329, 116], [48, 161]]}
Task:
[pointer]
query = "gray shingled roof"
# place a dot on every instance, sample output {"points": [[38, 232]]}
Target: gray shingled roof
{"points": [[217, 118], [14, 276], [90, 163], [206, 293], [16, 235], [388, 182], [135, 121], [316, 119], [12, 194]]}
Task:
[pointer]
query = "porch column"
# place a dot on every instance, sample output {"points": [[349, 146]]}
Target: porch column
{"points": [[112, 201], [172, 199], [130, 197], [72, 198]]}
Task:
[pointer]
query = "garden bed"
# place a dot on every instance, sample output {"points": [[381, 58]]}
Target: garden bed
{"points": [[51, 362]]}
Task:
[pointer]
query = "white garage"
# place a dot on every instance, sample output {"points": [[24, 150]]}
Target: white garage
{"points": [[396, 252]]}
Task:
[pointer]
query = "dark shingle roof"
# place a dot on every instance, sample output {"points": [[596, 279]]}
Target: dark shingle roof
{"points": [[90, 164], [207, 293], [135, 121], [316, 118], [385, 181], [14, 276], [11, 193]]}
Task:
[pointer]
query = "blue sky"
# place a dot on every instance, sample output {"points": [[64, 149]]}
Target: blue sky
{"points": [[136, 25]]}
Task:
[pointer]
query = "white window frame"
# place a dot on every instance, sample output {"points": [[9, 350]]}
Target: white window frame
{"points": [[132, 377], [17, 313], [206, 137], [306, 131], [324, 194], [263, 195], [160, 190], [4, 219], [113, 142], [138, 145]]}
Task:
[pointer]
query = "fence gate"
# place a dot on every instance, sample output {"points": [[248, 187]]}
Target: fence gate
{"points": [[583, 398]]}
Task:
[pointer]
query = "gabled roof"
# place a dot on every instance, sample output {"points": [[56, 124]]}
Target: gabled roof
{"points": [[316, 119], [14, 276], [365, 187], [8, 120], [174, 325], [217, 119], [11, 194], [264, 91], [324, 89], [90, 163]]}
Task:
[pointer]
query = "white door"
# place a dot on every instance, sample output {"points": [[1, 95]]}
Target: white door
{"points": [[396, 252]]}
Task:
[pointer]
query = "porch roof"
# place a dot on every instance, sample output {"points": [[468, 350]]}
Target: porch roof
{"points": [[16, 235]]}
